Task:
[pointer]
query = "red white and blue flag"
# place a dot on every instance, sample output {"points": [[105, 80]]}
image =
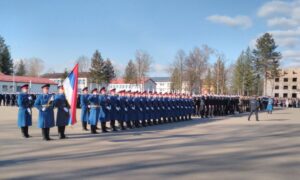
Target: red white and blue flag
{"points": [[70, 87]]}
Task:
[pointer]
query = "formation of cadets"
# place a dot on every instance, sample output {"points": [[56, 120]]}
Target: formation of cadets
{"points": [[129, 109]]}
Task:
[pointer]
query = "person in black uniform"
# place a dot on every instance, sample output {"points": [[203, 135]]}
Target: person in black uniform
{"points": [[7, 98]]}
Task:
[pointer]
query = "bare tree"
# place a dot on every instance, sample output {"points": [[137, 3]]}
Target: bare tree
{"points": [[196, 65], [84, 64], [34, 66], [143, 62]]}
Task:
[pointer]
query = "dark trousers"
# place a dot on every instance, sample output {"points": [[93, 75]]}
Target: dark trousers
{"points": [[256, 114], [24, 131], [46, 134], [84, 125], [61, 131]]}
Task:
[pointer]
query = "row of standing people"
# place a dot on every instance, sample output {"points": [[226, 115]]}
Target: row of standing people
{"points": [[218, 105], [132, 109], [8, 99]]}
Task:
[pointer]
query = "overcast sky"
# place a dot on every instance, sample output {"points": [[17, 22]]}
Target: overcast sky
{"points": [[59, 31]]}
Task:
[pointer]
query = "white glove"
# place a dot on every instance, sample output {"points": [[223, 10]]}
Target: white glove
{"points": [[29, 97], [52, 98], [66, 109], [89, 106], [44, 109], [29, 111]]}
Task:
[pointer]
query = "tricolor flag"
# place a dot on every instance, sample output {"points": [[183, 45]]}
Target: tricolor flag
{"points": [[70, 87]]}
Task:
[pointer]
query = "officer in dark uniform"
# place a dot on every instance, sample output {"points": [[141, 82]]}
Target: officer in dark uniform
{"points": [[7, 98], [63, 112], [13, 99], [1, 99], [84, 104], [24, 114], [44, 103], [254, 105]]}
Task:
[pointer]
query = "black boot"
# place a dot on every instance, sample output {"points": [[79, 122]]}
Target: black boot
{"points": [[84, 126], [122, 125], [23, 130], [26, 132], [128, 124], [103, 127], [47, 134], [143, 123], [62, 132], [112, 125], [44, 134]]}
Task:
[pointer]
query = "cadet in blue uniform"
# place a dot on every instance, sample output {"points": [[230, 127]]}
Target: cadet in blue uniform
{"points": [[270, 105], [24, 114], [104, 112], [113, 112], [94, 110], [84, 104], [63, 112], [44, 103]]}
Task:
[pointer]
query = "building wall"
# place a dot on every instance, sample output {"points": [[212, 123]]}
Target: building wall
{"points": [[163, 87], [8, 87], [148, 86], [285, 86], [82, 83]]}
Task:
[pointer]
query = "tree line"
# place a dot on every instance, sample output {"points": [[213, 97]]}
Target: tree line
{"points": [[247, 76], [190, 71]]}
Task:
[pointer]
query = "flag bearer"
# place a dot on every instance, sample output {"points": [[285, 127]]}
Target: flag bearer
{"points": [[63, 112]]}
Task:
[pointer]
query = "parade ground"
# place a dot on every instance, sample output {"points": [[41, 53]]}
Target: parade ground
{"points": [[218, 148]]}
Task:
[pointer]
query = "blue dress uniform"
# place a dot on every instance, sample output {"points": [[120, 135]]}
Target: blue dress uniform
{"points": [[94, 111], [124, 104], [141, 104], [103, 113], [84, 103], [120, 114], [135, 111], [131, 110], [270, 105], [44, 103], [63, 114], [24, 113], [111, 108]]}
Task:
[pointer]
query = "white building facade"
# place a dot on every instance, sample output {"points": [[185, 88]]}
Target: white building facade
{"points": [[287, 85]]}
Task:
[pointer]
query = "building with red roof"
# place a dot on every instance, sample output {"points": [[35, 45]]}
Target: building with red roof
{"points": [[12, 84]]}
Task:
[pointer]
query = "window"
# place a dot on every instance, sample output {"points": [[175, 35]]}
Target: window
{"points": [[285, 80], [294, 95], [294, 87], [276, 87], [285, 87], [276, 79], [276, 95], [294, 79], [285, 95], [4, 88]]}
